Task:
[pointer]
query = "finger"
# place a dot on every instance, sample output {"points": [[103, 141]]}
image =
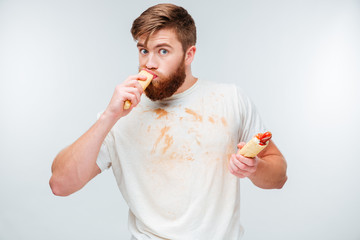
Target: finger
{"points": [[139, 87], [134, 90], [135, 98], [137, 94], [240, 175], [235, 170], [232, 168], [239, 164], [134, 84], [137, 77], [241, 145], [130, 82], [251, 162], [133, 81], [128, 96], [242, 166], [141, 77], [233, 165]]}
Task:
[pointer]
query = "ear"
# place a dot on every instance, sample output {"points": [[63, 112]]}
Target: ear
{"points": [[189, 55]]}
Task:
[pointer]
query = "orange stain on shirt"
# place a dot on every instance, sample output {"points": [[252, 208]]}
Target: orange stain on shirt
{"points": [[197, 116], [223, 120], [168, 141], [162, 134], [211, 120], [160, 113]]}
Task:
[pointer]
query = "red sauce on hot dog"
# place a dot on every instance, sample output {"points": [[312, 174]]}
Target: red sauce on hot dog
{"points": [[264, 137]]}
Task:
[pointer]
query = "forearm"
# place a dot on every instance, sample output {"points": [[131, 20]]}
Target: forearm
{"points": [[270, 172], [74, 166]]}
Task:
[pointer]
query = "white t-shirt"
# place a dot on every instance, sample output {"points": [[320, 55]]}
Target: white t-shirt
{"points": [[170, 159]]}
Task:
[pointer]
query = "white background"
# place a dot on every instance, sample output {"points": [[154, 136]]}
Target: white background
{"points": [[299, 61]]}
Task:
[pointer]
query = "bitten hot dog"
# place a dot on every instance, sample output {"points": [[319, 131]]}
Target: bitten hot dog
{"points": [[255, 145], [144, 85]]}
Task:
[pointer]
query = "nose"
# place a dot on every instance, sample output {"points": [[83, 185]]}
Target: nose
{"points": [[151, 62]]}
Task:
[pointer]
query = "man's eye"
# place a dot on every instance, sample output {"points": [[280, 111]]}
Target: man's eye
{"points": [[163, 51], [143, 51]]}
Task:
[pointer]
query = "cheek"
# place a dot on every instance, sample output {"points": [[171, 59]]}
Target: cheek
{"points": [[171, 66], [141, 62]]}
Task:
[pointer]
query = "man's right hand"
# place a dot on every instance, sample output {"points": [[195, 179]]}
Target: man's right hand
{"points": [[131, 90]]}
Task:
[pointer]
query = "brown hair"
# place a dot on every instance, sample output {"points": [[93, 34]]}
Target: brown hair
{"points": [[163, 16]]}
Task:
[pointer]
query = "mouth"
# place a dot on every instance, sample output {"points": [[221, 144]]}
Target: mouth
{"points": [[152, 73]]}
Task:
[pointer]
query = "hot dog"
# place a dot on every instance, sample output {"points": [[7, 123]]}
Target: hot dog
{"points": [[256, 145]]}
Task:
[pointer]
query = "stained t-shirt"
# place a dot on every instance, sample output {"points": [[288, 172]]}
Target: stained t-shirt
{"points": [[170, 160]]}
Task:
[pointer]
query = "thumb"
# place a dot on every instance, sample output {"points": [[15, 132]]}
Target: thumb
{"points": [[241, 145]]}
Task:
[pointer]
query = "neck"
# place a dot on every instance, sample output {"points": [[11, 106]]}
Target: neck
{"points": [[190, 80]]}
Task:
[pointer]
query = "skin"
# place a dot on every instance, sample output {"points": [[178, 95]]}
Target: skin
{"points": [[76, 165]]}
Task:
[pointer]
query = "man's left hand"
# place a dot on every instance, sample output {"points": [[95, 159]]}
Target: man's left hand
{"points": [[241, 166]]}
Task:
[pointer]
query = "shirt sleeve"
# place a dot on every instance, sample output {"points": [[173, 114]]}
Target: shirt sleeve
{"points": [[250, 120], [103, 160]]}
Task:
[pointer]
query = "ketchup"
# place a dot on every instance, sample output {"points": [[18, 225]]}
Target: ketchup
{"points": [[264, 137]]}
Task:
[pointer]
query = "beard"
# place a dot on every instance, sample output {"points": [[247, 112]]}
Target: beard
{"points": [[165, 86]]}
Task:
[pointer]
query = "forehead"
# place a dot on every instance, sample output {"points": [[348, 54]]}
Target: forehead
{"points": [[162, 36]]}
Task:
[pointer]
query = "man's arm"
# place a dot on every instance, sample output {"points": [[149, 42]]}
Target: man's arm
{"points": [[267, 170], [76, 165]]}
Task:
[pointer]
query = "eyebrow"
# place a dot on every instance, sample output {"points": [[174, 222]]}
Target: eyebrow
{"points": [[140, 45], [157, 46]]}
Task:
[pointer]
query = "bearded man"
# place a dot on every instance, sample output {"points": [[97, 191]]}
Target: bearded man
{"points": [[173, 151]]}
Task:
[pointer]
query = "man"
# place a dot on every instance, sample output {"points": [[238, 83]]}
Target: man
{"points": [[172, 151]]}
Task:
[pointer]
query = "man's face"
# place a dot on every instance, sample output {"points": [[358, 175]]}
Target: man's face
{"points": [[164, 56]]}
